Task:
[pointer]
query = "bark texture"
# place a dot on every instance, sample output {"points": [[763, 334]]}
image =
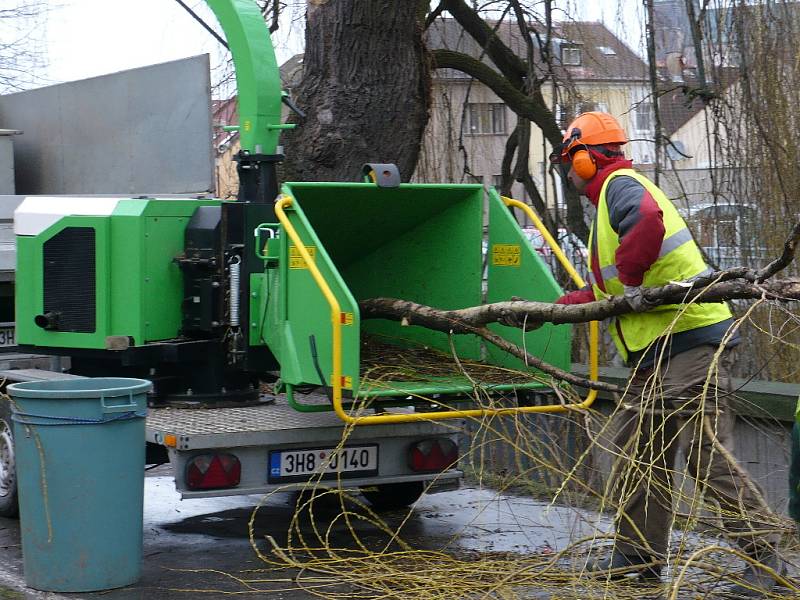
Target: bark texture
{"points": [[365, 90], [466, 320]]}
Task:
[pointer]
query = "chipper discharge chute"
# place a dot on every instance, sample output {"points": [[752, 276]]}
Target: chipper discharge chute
{"points": [[340, 243]]}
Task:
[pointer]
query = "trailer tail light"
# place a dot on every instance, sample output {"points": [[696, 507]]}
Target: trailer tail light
{"points": [[213, 472], [433, 456]]}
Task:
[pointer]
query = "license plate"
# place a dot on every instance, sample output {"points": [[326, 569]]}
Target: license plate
{"points": [[7, 335], [301, 464]]}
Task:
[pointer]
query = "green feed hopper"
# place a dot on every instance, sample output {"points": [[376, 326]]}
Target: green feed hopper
{"points": [[445, 246]]}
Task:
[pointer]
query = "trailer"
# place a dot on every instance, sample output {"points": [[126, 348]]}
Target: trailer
{"points": [[260, 449]]}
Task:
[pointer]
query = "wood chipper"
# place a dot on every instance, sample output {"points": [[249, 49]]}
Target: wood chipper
{"points": [[226, 304], [166, 289]]}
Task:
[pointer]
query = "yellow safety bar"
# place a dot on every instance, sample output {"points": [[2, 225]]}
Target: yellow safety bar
{"points": [[593, 325], [285, 202]]}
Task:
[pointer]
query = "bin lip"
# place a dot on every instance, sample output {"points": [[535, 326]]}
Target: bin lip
{"points": [[93, 387]]}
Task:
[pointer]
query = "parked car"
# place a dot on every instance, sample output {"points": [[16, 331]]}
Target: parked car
{"points": [[571, 245], [727, 233]]}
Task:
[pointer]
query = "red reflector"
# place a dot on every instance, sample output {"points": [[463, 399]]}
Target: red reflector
{"points": [[433, 455], [213, 472]]}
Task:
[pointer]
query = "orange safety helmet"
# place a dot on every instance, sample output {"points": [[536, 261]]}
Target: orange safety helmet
{"points": [[588, 129]]}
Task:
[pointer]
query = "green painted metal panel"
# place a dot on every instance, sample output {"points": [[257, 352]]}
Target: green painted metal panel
{"points": [[259, 296], [28, 292], [303, 311], [127, 265], [514, 268], [139, 287], [147, 286], [415, 242], [29, 300], [161, 279]]}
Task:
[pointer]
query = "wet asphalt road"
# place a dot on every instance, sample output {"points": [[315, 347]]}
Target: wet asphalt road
{"points": [[196, 548], [185, 540]]}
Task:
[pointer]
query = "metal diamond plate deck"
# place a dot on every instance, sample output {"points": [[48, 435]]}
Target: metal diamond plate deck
{"points": [[272, 417], [276, 423]]}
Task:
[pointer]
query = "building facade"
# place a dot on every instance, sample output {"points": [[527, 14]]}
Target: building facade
{"points": [[470, 125]]}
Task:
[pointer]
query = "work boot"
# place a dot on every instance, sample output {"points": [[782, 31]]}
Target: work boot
{"points": [[756, 582], [618, 565]]}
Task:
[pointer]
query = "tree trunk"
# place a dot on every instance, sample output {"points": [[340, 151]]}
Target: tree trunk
{"points": [[365, 90]]}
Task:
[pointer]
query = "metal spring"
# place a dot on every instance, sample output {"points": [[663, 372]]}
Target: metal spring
{"points": [[234, 267]]}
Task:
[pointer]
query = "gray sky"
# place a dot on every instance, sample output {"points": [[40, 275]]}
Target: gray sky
{"points": [[86, 38]]}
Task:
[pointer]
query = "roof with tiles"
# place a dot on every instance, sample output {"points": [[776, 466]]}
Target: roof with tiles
{"points": [[601, 56]]}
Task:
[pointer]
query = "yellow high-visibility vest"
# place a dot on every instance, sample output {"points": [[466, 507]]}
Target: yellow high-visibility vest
{"points": [[679, 260]]}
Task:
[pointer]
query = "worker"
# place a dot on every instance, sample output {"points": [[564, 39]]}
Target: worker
{"points": [[638, 240]]}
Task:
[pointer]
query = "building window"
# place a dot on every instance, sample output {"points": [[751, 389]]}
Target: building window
{"points": [[590, 105], [562, 116], [643, 116], [485, 117], [726, 233], [566, 114], [570, 55]]}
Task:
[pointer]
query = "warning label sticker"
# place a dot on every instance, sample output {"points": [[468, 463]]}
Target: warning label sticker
{"points": [[505, 255], [296, 261]]}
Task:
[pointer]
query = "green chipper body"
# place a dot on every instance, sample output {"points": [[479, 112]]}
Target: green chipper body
{"points": [[104, 278], [435, 245], [103, 286]]}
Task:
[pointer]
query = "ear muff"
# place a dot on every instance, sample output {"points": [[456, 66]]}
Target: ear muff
{"points": [[583, 164]]}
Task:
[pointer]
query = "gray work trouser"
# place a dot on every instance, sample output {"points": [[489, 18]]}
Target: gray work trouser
{"points": [[653, 428]]}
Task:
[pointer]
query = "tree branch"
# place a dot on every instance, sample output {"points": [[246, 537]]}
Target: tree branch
{"points": [[433, 15], [466, 320], [732, 284], [789, 248], [507, 178], [544, 367], [533, 108], [509, 64]]}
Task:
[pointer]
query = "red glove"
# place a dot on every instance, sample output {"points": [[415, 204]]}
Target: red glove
{"points": [[581, 296]]}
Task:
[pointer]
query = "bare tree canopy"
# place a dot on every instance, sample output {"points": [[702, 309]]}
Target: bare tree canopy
{"points": [[519, 82], [20, 45]]}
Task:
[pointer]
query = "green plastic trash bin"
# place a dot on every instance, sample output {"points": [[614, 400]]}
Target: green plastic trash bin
{"points": [[80, 448]]}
